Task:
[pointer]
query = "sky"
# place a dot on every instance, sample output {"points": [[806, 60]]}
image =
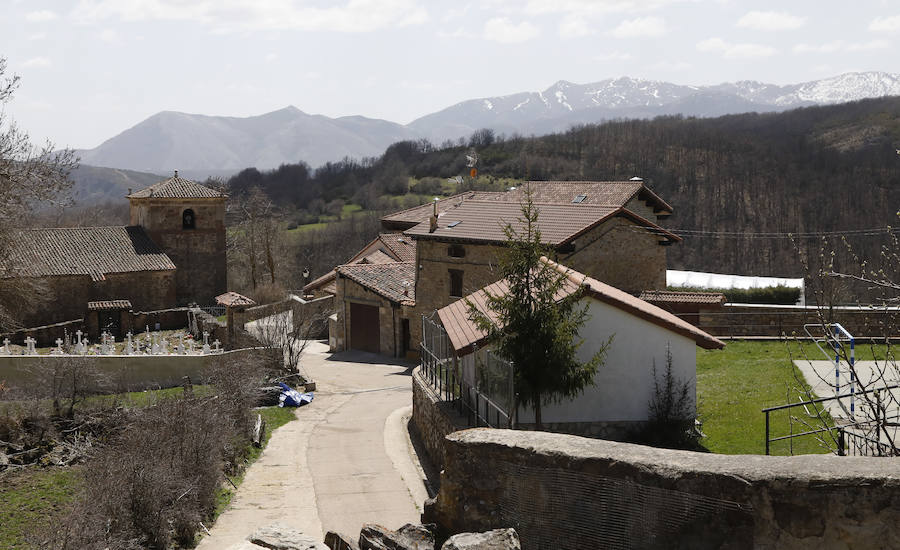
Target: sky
{"points": [[90, 69]]}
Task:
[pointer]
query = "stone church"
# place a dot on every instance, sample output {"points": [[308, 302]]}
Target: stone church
{"points": [[171, 254]]}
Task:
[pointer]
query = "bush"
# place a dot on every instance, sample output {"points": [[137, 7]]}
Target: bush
{"points": [[779, 294], [670, 421], [157, 478]]}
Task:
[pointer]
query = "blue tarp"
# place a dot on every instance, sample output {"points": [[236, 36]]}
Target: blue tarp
{"points": [[292, 398]]}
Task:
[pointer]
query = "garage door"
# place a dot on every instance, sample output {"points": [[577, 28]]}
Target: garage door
{"points": [[365, 332]]}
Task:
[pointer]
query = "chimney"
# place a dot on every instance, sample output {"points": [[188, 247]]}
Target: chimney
{"points": [[176, 173], [434, 217]]}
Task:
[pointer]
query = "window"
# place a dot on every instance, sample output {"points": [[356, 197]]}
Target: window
{"points": [[456, 251], [579, 199], [456, 283], [188, 221]]}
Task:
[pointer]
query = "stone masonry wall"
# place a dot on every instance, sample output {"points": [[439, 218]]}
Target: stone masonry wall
{"points": [[772, 320], [199, 253], [388, 314], [621, 254], [567, 492], [434, 419]]}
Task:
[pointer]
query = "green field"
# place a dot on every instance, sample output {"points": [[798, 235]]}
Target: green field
{"points": [[736, 383]]}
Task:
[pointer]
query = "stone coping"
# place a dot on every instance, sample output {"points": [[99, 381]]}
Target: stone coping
{"points": [[746, 469]]}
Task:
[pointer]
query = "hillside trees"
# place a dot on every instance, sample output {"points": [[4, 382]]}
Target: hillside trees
{"points": [[28, 175]]}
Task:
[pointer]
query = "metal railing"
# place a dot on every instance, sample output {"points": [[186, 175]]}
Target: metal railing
{"points": [[845, 434], [441, 370]]}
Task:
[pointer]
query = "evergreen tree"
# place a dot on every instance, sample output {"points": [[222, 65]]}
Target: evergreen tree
{"points": [[532, 326]]}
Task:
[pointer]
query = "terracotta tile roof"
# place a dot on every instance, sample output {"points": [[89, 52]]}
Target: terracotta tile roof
{"points": [[670, 297], [385, 279], [463, 333], [93, 251], [108, 305], [403, 247], [559, 223], [320, 282], [607, 193], [377, 257], [177, 188], [417, 214], [395, 247], [603, 193], [233, 299]]}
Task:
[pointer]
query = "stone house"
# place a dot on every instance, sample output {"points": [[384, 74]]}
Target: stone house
{"points": [[386, 248], [641, 336], [172, 253], [608, 230]]}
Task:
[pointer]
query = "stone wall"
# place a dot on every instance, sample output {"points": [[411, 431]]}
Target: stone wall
{"points": [[198, 253], [737, 320], [123, 372], [68, 295], [433, 419], [567, 492], [389, 315], [621, 254], [314, 314]]}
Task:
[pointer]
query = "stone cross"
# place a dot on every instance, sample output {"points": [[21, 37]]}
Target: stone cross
{"points": [[205, 342], [5, 348], [190, 344], [104, 345], [216, 343], [154, 349], [79, 347], [29, 344], [129, 347], [58, 350], [163, 346]]}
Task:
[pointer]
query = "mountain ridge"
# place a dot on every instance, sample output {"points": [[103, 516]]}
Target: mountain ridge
{"points": [[210, 144]]}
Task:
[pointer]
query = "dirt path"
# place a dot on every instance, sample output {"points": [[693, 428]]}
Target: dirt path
{"points": [[334, 468]]}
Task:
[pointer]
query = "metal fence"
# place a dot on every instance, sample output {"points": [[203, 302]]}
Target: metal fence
{"points": [[853, 438], [488, 401]]}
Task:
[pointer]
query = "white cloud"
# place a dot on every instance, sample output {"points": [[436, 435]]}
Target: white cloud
{"points": [[671, 66], [260, 15], [109, 35], [501, 29], [596, 7], [37, 62], [458, 33], [574, 27], [640, 27], [730, 50], [889, 24], [841, 45], [613, 56], [770, 21], [40, 16]]}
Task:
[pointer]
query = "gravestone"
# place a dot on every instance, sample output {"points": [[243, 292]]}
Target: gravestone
{"points": [[58, 350], [29, 346], [129, 347], [205, 342], [80, 346], [5, 349]]}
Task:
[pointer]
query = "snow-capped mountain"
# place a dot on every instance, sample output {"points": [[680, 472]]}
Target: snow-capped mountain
{"points": [[565, 103], [200, 145]]}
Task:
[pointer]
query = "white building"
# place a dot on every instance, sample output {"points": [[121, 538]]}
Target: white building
{"points": [[624, 385]]}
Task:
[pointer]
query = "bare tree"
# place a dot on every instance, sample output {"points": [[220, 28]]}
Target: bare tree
{"points": [[28, 175], [287, 334], [258, 240], [866, 420]]}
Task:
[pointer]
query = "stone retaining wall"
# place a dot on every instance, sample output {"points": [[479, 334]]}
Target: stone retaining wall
{"points": [[735, 320], [434, 419], [122, 372], [568, 492]]}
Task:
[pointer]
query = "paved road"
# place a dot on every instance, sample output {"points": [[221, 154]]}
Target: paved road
{"points": [[345, 462]]}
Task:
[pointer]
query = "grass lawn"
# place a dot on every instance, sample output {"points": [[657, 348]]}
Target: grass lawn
{"points": [[28, 497], [734, 385]]}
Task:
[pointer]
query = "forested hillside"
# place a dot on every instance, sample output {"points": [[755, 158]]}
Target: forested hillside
{"points": [[731, 179]]}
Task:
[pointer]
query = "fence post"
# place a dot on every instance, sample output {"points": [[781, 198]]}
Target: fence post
{"points": [[767, 432], [840, 442]]}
